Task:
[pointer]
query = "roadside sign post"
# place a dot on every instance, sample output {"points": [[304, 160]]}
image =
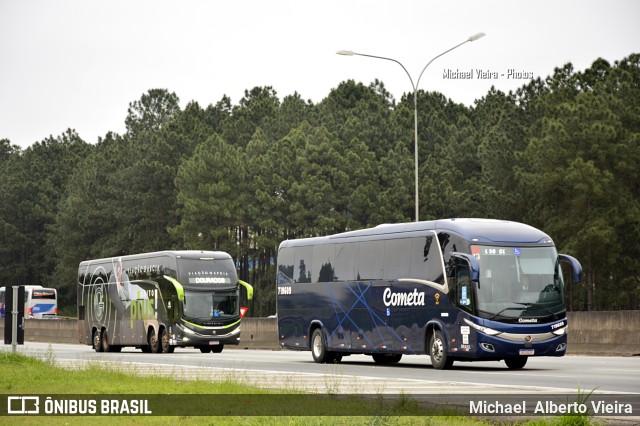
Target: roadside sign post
{"points": [[14, 323]]}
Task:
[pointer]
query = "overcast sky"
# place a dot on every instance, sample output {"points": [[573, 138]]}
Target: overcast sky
{"points": [[79, 63]]}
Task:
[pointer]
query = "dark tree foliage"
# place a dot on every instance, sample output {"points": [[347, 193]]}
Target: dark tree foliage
{"points": [[561, 153], [33, 185]]}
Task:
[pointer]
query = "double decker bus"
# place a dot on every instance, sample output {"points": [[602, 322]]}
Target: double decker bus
{"points": [[159, 301], [455, 289]]}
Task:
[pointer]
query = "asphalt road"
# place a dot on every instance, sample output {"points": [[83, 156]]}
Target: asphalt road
{"points": [[358, 373]]}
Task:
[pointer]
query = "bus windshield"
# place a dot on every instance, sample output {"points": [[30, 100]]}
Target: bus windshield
{"points": [[519, 283], [211, 289], [210, 305]]}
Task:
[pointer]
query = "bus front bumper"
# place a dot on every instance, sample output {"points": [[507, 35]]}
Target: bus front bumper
{"points": [[490, 347], [184, 336]]}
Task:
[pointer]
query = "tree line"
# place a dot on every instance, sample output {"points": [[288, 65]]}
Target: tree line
{"points": [[561, 153]]}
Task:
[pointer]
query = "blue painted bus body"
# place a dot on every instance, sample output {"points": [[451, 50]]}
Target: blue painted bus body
{"points": [[387, 290]]}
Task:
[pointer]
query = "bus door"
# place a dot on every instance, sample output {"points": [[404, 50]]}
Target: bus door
{"points": [[462, 275]]}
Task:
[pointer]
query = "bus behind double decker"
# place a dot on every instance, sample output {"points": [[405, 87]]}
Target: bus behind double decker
{"points": [[159, 301], [39, 302], [455, 289]]}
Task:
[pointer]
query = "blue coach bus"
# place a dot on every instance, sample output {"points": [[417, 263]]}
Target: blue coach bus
{"points": [[456, 289]]}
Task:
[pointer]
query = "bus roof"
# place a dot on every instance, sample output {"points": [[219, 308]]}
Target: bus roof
{"points": [[180, 254], [489, 231]]}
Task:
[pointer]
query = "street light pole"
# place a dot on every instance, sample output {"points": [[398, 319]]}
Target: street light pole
{"points": [[415, 99]]}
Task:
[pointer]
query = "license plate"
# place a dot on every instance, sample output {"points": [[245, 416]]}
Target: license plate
{"points": [[527, 351], [214, 342]]}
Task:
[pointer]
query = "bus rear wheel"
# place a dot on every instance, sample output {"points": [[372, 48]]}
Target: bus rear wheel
{"points": [[104, 340], [319, 349], [516, 363], [96, 339], [217, 349], [438, 353], [204, 349], [154, 342]]}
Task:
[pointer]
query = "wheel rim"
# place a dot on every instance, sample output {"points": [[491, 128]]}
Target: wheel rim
{"points": [[153, 341], [165, 342], [437, 350], [317, 345], [96, 340]]}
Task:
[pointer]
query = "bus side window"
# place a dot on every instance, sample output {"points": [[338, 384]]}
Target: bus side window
{"points": [[302, 264], [285, 266]]}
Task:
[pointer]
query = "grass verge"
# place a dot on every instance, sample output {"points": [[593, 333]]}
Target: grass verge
{"points": [[22, 375]]}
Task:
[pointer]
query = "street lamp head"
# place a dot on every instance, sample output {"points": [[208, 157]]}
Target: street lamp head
{"points": [[476, 36], [345, 52]]}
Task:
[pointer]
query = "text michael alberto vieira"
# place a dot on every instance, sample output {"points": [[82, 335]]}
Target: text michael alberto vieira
{"points": [[480, 74], [546, 407]]}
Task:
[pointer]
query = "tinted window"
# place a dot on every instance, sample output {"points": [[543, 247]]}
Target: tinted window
{"points": [[433, 260], [371, 260], [302, 264], [426, 262], [285, 266], [397, 258], [323, 263], [419, 254], [346, 262]]}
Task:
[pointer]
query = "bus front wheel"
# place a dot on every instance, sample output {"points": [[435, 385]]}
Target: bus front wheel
{"points": [[516, 363], [164, 343], [439, 358]]}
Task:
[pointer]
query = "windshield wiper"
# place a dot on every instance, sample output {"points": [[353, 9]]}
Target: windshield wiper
{"points": [[202, 318], [525, 305], [542, 308]]}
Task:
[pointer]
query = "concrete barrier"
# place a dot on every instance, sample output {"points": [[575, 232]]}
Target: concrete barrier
{"points": [[590, 333], [62, 330], [604, 333], [259, 333]]}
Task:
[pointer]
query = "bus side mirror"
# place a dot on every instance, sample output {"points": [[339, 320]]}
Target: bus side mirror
{"points": [[248, 287], [474, 266], [576, 267]]}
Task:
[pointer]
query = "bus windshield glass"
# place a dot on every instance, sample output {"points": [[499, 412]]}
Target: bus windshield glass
{"points": [[210, 305], [519, 283]]}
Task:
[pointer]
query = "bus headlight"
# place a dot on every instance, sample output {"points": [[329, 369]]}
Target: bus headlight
{"points": [[560, 331], [486, 330], [187, 330]]}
